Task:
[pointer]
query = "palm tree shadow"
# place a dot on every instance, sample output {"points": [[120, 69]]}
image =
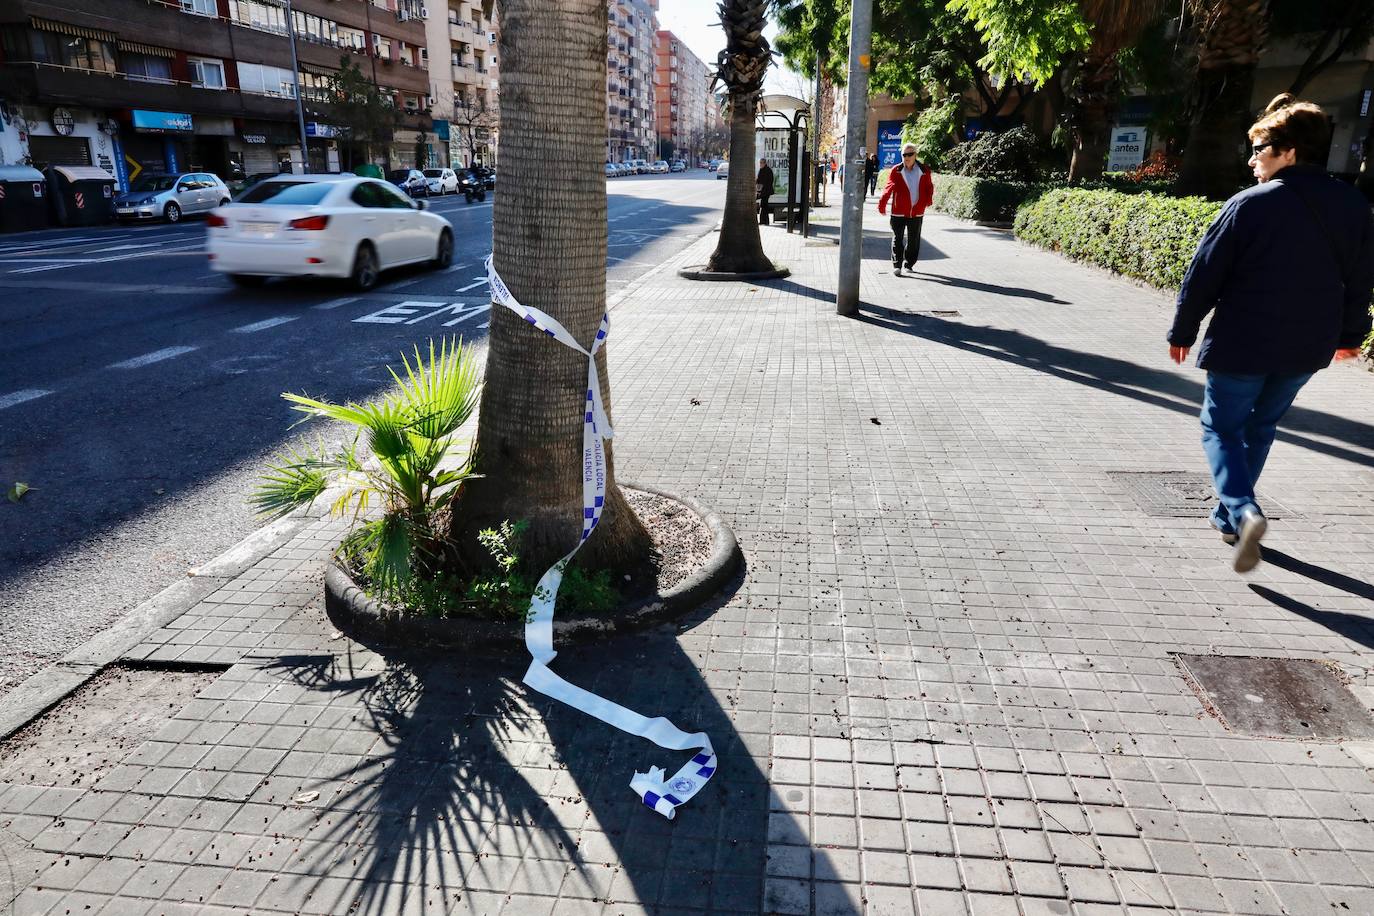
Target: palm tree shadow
{"points": [[475, 778]]}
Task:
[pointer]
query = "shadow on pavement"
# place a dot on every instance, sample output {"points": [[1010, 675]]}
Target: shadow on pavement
{"points": [[1355, 627], [1159, 388], [877, 243], [1015, 292], [1356, 587]]}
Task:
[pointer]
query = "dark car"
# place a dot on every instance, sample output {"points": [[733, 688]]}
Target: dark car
{"points": [[412, 181]]}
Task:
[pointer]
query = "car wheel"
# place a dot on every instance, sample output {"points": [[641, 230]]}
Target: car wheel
{"points": [[444, 256], [365, 268], [172, 213], [247, 281]]}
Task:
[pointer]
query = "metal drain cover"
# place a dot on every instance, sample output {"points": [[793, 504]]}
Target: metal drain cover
{"points": [[1278, 697], [1183, 494]]}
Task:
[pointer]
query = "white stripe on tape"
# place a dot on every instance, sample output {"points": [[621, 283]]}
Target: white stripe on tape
{"points": [[661, 794]]}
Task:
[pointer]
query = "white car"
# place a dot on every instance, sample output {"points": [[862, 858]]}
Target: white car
{"points": [[442, 181], [324, 226], [659, 168], [723, 170]]}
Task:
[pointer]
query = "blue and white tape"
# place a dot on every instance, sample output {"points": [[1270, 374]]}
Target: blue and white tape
{"points": [[662, 794]]}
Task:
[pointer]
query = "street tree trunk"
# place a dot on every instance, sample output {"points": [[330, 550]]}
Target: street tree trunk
{"points": [[1091, 113], [549, 235], [739, 248]]}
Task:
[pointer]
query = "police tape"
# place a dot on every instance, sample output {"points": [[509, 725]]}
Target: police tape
{"points": [[657, 792]]}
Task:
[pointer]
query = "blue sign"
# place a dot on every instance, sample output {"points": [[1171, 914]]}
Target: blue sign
{"points": [[315, 129], [121, 167], [889, 143], [441, 129], [161, 121], [169, 151]]}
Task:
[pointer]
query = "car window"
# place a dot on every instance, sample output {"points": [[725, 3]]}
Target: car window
{"points": [[299, 193], [369, 194], [392, 198], [434, 173]]}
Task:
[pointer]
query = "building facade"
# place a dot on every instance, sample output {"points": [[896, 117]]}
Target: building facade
{"points": [[631, 30], [682, 98], [463, 74], [137, 86]]}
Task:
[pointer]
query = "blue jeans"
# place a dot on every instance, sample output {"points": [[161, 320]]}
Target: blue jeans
{"points": [[1240, 416]]}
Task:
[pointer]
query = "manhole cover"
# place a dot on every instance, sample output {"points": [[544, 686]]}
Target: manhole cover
{"points": [[1278, 697], [1182, 494]]}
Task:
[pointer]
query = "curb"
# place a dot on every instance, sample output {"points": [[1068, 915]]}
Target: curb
{"points": [[357, 615], [46, 688]]}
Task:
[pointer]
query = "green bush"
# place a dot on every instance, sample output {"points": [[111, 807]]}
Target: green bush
{"points": [[1148, 236], [987, 200], [1013, 155]]}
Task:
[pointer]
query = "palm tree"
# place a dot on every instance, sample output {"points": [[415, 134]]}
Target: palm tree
{"points": [[549, 242], [741, 67], [1092, 95], [1229, 35]]}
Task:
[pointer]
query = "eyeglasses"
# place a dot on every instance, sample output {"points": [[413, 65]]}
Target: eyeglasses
{"points": [[1259, 148], [908, 155]]}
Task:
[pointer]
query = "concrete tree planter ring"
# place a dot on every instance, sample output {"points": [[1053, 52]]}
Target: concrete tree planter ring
{"points": [[354, 613], [699, 272]]}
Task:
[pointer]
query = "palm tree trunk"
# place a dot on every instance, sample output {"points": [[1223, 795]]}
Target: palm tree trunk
{"points": [[1214, 159], [549, 235], [739, 249], [1091, 112]]}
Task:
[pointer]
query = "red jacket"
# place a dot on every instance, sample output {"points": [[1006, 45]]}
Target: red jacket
{"points": [[896, 192]]}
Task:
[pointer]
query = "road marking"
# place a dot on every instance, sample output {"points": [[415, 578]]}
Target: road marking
{"points": [[481, 281], [413, 312], [156, 356], [20, 397], [335, 303], [126, 247], [264, 325]]}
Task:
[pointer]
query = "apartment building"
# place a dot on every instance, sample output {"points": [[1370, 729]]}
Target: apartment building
{"points": [[631, 30], [154, 85], [681, 96], [463, 74]]}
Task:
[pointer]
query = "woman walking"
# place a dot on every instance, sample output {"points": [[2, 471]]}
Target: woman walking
{"points": [[909, 190]]}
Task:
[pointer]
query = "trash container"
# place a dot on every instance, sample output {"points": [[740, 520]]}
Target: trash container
{"points": [[23, 199], [81, 195]]}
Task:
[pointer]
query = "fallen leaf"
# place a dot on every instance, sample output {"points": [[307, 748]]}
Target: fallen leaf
{"points": [[17, 491], [875, 421], [305, 798]]}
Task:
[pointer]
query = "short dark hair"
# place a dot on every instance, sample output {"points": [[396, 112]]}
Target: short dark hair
{"points": [[1300, 126]]}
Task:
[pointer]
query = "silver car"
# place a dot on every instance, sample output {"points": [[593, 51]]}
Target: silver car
{"points": [[171, 197]]}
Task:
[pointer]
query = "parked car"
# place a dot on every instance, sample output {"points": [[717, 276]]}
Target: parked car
{"points": [[722, 169], [412, 181], [642, 166], [324, 226], [170, 197], [677, 165], [620, 170], [610, 170], [441, 181], [711, 166], [660, 167]]}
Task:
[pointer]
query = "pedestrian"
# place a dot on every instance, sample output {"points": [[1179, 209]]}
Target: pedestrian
{"points": [[909, 190], [833, 167], [1286, 268], [871, 173], [763, 185]]}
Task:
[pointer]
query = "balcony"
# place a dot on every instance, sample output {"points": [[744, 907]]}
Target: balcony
{"points": [[465, 74], [460, 31], [89, 88]]}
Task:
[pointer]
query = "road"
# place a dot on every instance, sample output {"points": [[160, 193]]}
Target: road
{"points": [[140, 393]]}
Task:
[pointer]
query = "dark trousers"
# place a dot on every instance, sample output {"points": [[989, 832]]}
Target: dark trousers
{"points": [[872, 183], [906, 240], [763, 210]]}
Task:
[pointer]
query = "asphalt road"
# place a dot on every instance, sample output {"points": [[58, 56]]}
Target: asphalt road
{"points": [[140, 393]]}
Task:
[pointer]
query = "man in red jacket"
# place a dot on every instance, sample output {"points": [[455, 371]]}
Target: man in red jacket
{"points": [[910, 190]]}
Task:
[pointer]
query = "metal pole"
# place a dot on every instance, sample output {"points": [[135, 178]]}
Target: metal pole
{"points": [[816, 131], [296, 80], [855, 152]]}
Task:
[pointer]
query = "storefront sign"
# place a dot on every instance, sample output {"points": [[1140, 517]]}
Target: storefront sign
{"points": [[315, 129], [255, 138], [889, 143], [121, 165], [1127, 149], [63, 122], [158, 122]]}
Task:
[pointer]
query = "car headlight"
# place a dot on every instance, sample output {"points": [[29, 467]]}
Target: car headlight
{"points": [[147, 201]]}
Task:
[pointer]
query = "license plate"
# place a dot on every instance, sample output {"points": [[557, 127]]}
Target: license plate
{"points": [[252, 227]]}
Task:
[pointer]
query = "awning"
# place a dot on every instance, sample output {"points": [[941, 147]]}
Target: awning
{"points": [[62, 28], [137, 48]]}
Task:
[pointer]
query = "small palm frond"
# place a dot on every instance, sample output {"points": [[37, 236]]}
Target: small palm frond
{"points": [[291, 481], [384, 546], [438, 395]]}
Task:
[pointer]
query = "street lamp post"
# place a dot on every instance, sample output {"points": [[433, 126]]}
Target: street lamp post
{"points": [[296, 81], [852, 213]]}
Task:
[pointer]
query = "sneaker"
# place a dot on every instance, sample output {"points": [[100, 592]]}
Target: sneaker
{"points": [[910, 268], [1229, 539], [897, 271], [1253, 525]]}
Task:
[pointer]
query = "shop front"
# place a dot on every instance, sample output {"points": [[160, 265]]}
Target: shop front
{"points": [[264, 146], [153, 142]]}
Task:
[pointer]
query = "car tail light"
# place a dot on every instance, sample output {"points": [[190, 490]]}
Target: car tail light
{"points": [[309, 222], [214, 221]]}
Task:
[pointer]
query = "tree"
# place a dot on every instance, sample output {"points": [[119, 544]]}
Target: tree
{"points": [[1227, 37], [1329, 29], [741, 67], [549, 245], [364, 116], [474, 120]]}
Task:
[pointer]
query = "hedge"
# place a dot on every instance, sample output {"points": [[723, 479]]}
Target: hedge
{"points": [[1150, 237], [982, 199]]}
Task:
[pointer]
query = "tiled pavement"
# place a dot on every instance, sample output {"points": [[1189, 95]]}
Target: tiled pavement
{"points": [[945, 683]]}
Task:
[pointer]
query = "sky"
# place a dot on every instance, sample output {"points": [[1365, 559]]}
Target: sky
{"points": [[696, 23]]}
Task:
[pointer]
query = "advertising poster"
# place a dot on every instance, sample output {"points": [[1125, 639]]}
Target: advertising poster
{"points": [[889, 143], [1127, 149]]}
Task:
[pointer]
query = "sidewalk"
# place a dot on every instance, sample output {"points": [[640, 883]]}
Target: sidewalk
{"points": [[946, 683]]}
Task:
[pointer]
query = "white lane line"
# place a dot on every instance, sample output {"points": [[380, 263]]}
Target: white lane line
{"points": [[334, 303], [52, 244], [34, 270], [19, 397], [481, 281], [148, 359], [126, 247], [455, 268], [264, 325]]}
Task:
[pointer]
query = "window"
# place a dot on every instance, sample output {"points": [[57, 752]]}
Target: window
{"points": [[88, 54], [316, 29], [258, 14], [381, 46], [205, 73], [200, 7], [147, 68], [352, 38], [303, 193], [261, 79], [371, 195]]}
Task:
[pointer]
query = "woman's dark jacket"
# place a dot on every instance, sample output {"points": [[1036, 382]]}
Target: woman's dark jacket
{"points": [[1288, 266]]}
